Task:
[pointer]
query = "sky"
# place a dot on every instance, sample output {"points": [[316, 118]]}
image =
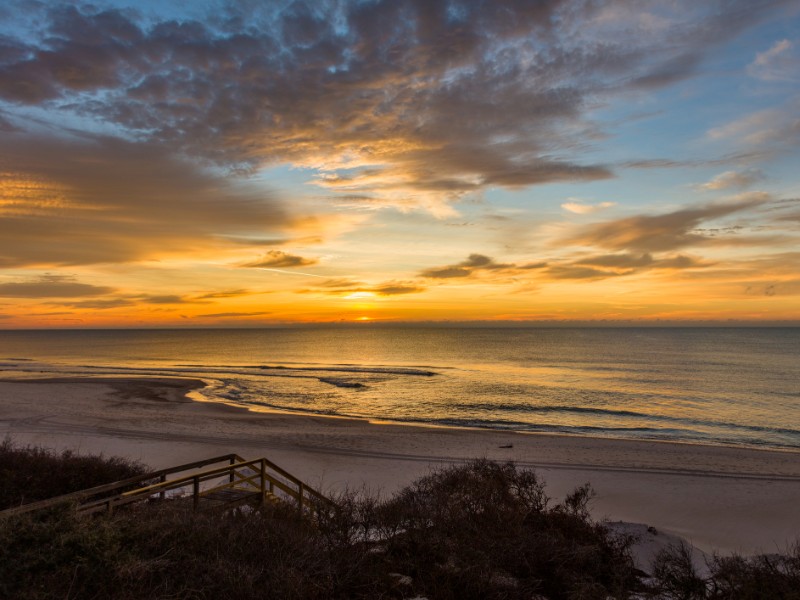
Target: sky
{"points": [[249, 164]]}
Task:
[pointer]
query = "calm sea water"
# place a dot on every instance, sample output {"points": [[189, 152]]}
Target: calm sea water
{"points": [[717, 385]]}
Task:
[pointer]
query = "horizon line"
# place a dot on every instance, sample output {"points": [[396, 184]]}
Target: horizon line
{"points": [[505, 324]]}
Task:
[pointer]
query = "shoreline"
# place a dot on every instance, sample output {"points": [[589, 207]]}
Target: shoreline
{"points": [[180, 389], [194, 383], [719, 497]]}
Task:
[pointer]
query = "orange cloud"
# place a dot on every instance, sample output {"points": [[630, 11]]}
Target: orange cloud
{"points": [[51, 286], [475, 263], [275, 259]]}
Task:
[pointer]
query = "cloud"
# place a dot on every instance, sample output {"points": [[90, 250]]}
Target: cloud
{"points": [[103, 200], [645, 233], [275, 259], [776, 127], [397, 288], [415, 104], [580, 208], [156, 299], [340, 283], [476, 263], [783, 288], [6, 126], [347, 287], [51, 286], [579, 272], [625, 261], [473, 264], [780, 63], [604, 266], [165, 299], [748, 156], [232, 315], [753, 196], [102, 304], [733, 179], [226, 294]]}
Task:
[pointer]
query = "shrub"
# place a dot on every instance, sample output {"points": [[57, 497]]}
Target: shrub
{"points": [[486, 530], [480, 530], [676, 576], [33, 473], [762, 577]]}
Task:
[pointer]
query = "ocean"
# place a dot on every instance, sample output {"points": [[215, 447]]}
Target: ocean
{"points": [[725, 386]]}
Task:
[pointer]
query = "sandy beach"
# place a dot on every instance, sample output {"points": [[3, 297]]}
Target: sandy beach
{"points": [[719, 498]]}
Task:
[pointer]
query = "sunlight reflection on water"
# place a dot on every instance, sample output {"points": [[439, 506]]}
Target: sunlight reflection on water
{"points": [[737, 386]]}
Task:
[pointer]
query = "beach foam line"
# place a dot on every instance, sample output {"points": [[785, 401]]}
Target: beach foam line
{"points": [[341, 383], [527, 408], [644, 433], [255, 369], [356, 369]]}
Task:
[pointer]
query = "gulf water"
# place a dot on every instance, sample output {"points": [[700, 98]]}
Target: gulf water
{"points": [[738, 386]]}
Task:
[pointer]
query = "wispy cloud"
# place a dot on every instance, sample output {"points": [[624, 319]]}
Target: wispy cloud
{"points": [[577, 206], [781, 63], [733, 179], [616, 265], [106, 200], [232, 315], [776, 127], [51, 286], [99, 304], [658, 233], [346, 287], [226, 294]]}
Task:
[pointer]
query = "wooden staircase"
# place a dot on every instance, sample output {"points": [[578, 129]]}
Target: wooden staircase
{"points": [[236, 483]]}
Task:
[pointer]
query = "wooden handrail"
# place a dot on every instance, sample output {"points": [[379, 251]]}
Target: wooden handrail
{"points": [[181, 481], [110, 487], [294, 479], [258, 477]]}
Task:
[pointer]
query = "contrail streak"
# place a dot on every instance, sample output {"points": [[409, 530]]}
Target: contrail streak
{"points": [[291, 272]]}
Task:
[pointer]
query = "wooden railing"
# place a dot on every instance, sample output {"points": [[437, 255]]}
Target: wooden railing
{"points": [[257, 479]]}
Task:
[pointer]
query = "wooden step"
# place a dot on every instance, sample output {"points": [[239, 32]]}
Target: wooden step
{"points": [[228, 498]]}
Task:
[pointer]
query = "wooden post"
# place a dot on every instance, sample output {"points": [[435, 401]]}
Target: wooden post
{"points": [[300, 497], [163, 494], [264, 481], [230, 478], [196, 491]]}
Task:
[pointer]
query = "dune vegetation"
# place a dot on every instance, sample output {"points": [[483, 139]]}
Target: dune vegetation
{"points": [[478, 530]]}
